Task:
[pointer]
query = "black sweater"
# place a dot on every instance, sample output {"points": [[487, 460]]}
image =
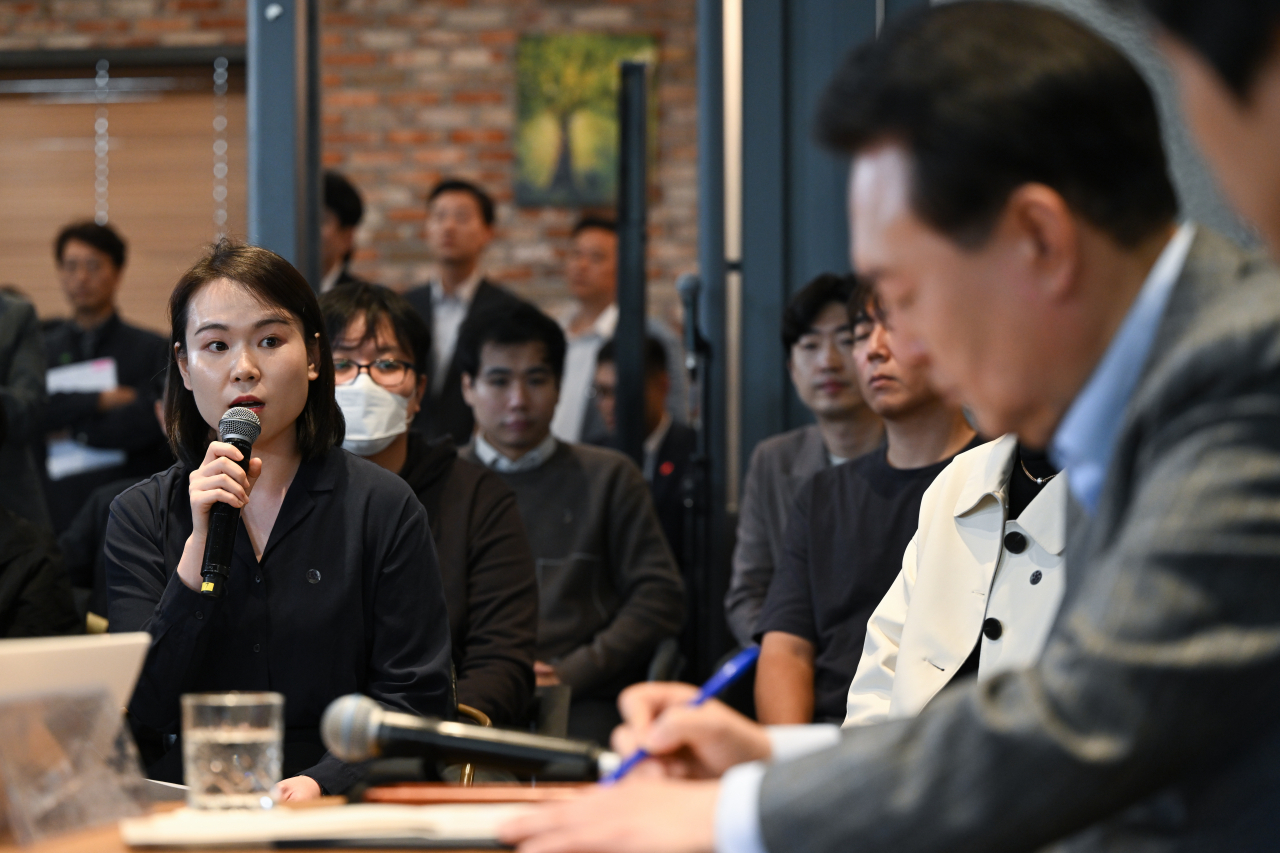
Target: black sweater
{"points": [[487, 570]]}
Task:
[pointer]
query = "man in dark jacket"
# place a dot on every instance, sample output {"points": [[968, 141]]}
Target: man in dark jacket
{"points": [[485, 562], [112, 432], [460, 220]]}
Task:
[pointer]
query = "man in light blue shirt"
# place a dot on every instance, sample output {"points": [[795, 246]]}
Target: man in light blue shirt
{"points": [[1009, 199]]}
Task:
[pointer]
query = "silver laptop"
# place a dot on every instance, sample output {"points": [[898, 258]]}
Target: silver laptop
{"points": [[31, 667]]}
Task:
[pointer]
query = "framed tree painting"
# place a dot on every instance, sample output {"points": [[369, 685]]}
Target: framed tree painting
{"points": [[567, 108]]}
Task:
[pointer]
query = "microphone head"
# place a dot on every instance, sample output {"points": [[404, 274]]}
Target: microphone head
{"points": [[349, 727], [688, 286], [241, 423]]}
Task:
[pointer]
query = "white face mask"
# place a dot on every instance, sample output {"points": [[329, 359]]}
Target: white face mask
{"points": [[374, 415]]}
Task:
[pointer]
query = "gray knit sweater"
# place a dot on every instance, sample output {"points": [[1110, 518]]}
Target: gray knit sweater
{"points": [[608, 588]]}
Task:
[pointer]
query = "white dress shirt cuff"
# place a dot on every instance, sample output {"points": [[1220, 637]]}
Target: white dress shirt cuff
{"points": [[738, 810], [790, 742], [738, 807]]}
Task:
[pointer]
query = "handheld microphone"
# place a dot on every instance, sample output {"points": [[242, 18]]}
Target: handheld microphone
{"points": [[355, 728], [239, 427]]}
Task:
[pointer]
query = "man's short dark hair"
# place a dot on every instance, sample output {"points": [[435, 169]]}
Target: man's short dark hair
{"points": [[341, 197], [655, 355], [375, 303], [811, 300], [1235, 38], [457, 185], [521, 324], [863, 305], [600, 223], [988, 96], [101, 237]]}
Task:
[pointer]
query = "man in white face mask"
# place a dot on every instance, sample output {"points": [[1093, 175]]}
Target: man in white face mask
{"points": [[381, 348]]}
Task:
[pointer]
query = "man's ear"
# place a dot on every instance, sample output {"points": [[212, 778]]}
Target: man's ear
{"points": [[468, 389], [1049, 236], [180, 356], [420, 390]]}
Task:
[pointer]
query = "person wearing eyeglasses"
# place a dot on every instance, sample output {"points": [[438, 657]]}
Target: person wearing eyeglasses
{"points": [[381, 351]]}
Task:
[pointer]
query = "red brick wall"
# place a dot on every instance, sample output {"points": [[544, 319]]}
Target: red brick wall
{"points": [[417, 90]]}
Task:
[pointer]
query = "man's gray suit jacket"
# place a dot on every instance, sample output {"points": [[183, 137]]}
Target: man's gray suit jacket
{"points": [[1152, 721], [780, 465]]}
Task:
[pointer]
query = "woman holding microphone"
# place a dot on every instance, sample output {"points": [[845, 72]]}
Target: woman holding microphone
{"points": [[333, 586]]}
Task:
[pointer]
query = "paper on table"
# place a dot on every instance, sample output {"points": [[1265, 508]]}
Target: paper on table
{"points": [[68, 456], [83, 377], [358, 825]]}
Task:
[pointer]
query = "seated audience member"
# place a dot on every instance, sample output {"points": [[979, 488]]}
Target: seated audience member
{"points": [[847, 533], [83, 556], [35, 598], [381, 349], [460, 220], [609, 591], [980, 584], [819, 344], [668, 444], [117, 425], [343, 210], [333, 586], [22, 395], [668, 447], [591, 274]]}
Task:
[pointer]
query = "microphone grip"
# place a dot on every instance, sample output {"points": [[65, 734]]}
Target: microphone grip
{"points": [[224, 519]]}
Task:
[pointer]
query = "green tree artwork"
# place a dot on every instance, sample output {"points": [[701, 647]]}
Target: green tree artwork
{"points": [[567, 101]]}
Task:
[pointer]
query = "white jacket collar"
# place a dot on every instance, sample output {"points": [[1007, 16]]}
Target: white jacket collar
{"points": [[1044, 519]]}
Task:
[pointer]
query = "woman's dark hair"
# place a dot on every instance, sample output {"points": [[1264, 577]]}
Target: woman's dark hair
{"points": [[273, 281], [374, 302], [521, 324], [811, 300], [104, 238], [989, 96], [457, 185], [1233, 36]]}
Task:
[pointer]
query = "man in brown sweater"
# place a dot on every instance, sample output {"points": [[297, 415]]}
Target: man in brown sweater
{"points": [[608, 587]]}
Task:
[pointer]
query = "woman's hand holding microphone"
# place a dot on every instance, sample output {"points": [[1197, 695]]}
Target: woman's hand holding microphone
{"points": [[219, 479]]}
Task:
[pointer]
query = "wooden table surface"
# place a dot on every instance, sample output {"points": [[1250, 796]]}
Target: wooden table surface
{"points": [[106, 839]]}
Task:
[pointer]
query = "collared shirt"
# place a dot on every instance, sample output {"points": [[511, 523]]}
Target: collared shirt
{"points": [[448, 310], [653, 443], [579, 373], [1084, 441], [330, 279], [500, 462]]}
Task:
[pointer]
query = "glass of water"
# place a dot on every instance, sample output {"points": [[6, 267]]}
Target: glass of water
{"points": [[232, 748]]}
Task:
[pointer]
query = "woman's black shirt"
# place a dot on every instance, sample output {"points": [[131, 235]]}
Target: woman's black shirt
{"points": [[346, 599]]}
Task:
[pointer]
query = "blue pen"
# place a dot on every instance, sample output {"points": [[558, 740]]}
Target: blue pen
{"points": [[715, 685]]}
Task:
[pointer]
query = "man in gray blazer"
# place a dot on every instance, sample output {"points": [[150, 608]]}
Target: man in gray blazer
{"points": [[1010, 200], [818, 340]]}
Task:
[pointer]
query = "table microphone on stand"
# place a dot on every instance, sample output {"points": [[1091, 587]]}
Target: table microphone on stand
{"points": [[239, 427]]}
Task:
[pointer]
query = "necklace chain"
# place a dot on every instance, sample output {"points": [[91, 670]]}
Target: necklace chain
{"points": [[1039, 481]]}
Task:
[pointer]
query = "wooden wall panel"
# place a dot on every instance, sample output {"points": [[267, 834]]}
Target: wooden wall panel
{"points": [[161, 181]]}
